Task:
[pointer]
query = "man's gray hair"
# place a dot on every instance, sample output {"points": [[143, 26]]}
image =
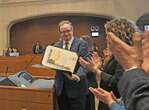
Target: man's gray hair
{"points": [[65, 22], [122, 28]]}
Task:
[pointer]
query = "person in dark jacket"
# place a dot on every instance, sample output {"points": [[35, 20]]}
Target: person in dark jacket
{"points": [[108, 77], [37, 48], [71, 90]]}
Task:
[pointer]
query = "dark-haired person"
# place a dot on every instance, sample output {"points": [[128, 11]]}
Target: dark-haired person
{"points": [[37, 48], [108, 76]]}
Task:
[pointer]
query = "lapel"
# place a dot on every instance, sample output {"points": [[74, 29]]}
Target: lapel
{"points": [[109, 64], [74, 45], [60, 44]]}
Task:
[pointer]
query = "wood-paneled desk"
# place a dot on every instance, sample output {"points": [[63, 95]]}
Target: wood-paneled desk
{"points": [[25, 62], [16, 98]]}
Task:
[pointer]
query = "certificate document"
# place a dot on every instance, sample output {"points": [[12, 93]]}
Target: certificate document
{"points": [[61, 59]]}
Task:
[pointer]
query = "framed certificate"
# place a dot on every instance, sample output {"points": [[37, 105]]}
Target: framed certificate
{"points": [[60, 59]]}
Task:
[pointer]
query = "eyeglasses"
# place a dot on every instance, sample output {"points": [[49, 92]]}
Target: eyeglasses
{"points": [[65, 31]]}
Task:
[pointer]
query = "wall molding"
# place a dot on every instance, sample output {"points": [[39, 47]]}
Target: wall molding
{"points": [[31, 2]]}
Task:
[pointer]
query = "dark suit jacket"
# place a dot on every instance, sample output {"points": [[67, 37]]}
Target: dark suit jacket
{"points": [[134, 89], [34, 49], [112, 72], [72, 88]]}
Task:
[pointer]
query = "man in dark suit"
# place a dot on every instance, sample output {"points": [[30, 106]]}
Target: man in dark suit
{"points": [[71, 91], [37, 48]]}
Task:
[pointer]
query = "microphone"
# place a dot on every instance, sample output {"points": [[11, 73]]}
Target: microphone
{"points": [[9, 70], [6, 71]]}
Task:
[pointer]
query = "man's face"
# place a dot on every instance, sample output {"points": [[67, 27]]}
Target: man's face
{"points": [[66, 32], [107, 52]]}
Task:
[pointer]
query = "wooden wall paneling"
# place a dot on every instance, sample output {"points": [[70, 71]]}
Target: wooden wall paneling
{"points": [[44, 29]]}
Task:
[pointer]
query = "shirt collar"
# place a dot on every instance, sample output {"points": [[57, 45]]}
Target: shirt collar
{"points": [[69, 43]]}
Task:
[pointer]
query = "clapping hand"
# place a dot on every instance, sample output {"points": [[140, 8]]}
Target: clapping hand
{"points": [[128, 56], [93, 63], [103, 95]]}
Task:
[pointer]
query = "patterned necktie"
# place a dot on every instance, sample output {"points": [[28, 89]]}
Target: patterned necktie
{"points": [[66, 45]]}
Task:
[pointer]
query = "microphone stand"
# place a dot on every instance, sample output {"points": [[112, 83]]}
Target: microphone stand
{"points": [[27, 65]]}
